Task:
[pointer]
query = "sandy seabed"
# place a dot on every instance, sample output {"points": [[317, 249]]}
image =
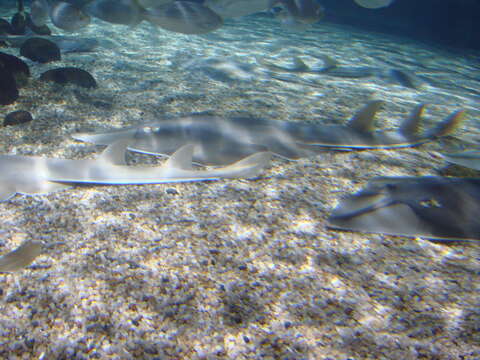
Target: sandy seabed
{"points": [[235, 269]]}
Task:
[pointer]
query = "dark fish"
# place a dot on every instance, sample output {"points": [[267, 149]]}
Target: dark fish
{"points": [[431, 207], [66, 44], [124, 12], [67, 16], [302, 11], [219, 141], [184, 17], [19, 20]]}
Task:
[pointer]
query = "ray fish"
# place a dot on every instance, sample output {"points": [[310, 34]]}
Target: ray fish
{"points": [[431, 207], [219, 141], [43, 175], [469, 158]]}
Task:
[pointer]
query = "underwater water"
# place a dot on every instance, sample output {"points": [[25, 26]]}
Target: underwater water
{"points": [[237, 268]]}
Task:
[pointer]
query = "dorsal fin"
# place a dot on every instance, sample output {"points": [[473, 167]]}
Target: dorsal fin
{"points": [[446, 126], [363, 120], [114, 154], [411, 125], [328, 63], [182, 158], [299, 65]]}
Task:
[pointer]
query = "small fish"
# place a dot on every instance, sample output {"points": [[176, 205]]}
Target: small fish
{"points": [[184, 17], [432, 207], [374, 4], [124, 12], [301, 11], [67, 16], [43, 175], [21, 257], [219, 141]]}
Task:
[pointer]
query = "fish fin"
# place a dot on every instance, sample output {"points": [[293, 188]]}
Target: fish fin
{"points": [[411, 125], [248, 167], [328, 63], [299, 65], [6, 193], [21, 257], [363, 120], [182, 158], [115, 153], [447, 126]]}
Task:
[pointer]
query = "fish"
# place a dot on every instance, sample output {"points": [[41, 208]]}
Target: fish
{"points": [[219, 140], [332, 68], [67, 44], [237, 8], [469, 158], [40, 175], [21, 257], [124, 12], [39, 12], [67, 17], [431, 207], [224, 70], [184, 17], [300, 11], [374, 4]]}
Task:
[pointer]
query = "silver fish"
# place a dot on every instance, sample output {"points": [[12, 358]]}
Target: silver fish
{"points": [[39, 12], [236, 8], [219, 141], [184, 17], [67, 16], [302, 11], [125, 12], [21, 257], [43, 175], [431, 207]]}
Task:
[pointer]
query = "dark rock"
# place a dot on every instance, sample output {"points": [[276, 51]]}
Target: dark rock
{"points": [[16, 66], [70, 75], [17, 117], [40, 50], [19, 24], [8, 87], [5, 27], [40, 30]]}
